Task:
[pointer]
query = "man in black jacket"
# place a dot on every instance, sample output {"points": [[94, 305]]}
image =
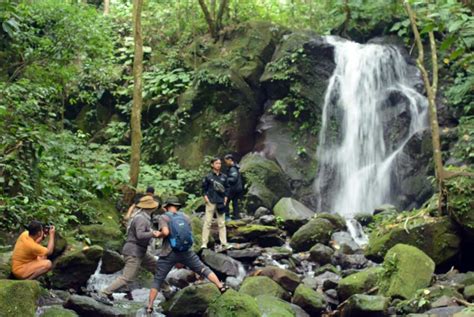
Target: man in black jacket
{"points": [[216, 193], [235, 185]]}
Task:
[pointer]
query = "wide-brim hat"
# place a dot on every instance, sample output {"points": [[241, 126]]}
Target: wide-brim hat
{"points": [[173, 200], [147, 202]]}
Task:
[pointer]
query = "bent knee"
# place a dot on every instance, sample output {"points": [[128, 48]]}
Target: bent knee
{"points": [[48, 264]]}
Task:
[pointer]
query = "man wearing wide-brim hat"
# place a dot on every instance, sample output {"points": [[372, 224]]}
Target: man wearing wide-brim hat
{"points": [[135, 248]]}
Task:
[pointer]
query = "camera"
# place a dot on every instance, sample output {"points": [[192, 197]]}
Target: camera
{"points": [[46, 228]]}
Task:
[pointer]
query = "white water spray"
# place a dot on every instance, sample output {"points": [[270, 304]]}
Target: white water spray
{"points": [[355, 159]]}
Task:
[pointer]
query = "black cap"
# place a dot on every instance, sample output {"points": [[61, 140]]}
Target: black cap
{"points": [[150, 189]]}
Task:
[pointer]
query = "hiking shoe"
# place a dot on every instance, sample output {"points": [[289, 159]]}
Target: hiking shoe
{"points": [[128, 295]]}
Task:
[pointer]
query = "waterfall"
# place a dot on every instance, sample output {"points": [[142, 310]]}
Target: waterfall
{"points": [[371, 92]]}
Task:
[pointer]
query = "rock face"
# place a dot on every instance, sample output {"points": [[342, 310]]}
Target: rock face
{"points": [[365, 306], [287, 279], [407, 269], [191, 301], [108, 237], [221, 263], [437, 237], [272, 306], [321, 254], [358, 283], [461, 202], [59, 312], [87, 306], [311, 301], [317, 230], [73, 270], [293, 213], [262, 285], [18, 298], [111, 262], [233, 303], [264, 236], [265, 180]]}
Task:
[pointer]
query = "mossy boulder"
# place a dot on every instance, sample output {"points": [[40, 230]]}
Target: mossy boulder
{"points": [[360, 305], [359, 282], [335, 219], [18, 298], [111, 262], [87, 306], [437, 237], [317, 230], [469, 293], [265, 236], [293, 213], [192, 300], [287, 279], [460, 203], [73, 270], [265, 180], [262, 285], [321, 254], [406, 269], [275, 307], [108, 237], [5, 264], [59, 312], [311, 301], [234, 304]]}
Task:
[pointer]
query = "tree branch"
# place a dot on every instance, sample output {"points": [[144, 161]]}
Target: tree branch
{"points": [[209, 20], [434, 61]]}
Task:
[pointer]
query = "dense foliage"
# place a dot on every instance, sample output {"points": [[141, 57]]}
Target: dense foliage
{"points": [[66, 82]]}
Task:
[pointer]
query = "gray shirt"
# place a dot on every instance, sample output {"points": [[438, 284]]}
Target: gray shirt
{"points": [[139, 235], [166, 247]]}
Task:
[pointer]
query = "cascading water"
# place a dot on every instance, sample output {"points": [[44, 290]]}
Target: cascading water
{"points": [[355, 155]]}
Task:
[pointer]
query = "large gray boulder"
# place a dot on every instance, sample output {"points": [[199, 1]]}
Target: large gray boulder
{"points": [[221, 263], [87, 306], [192, 300], [293, 213]]}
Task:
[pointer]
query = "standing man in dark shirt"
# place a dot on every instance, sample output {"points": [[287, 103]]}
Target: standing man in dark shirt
{"points": [[236, 186], [216, 193], [135, 248]]}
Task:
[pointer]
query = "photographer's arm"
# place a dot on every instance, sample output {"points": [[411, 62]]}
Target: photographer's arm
{"points": [[52, 233]]}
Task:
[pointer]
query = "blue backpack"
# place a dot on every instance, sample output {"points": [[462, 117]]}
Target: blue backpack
{"points": [[181, 236]]}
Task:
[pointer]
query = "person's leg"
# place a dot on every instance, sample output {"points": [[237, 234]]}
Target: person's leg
{"points": [[222, 229], [227, 210], [163, 267], [192, 261], [235, 207], [130, 271], [34, 269], [149, 263], [206, 229]]}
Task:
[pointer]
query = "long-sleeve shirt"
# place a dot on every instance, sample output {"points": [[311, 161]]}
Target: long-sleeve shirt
{"points": [[208, 189], [139, 235]]}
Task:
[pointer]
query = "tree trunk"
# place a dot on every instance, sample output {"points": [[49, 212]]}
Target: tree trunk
{"points": [[220, 14], [209, 20], [106, 7], [431, 93], [137, 94]]}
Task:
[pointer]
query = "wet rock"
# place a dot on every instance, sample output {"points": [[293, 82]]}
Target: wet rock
{"points": [[87, 306], [445, 311], [469, 293], [311, 301], [455, 279], [267, 183], [293, 213], [364, 219], [317, 230], [262, 211], [287, 279], [298, 311], [111, 262], [385, 210], [351, 261], [267, 220], [358, 283], [461, 202], [18, 298], [221, 263], [60, 245], [278, 253], [437, 237], [245, 255], [59, 312], [336, 220], [107, 236], [181, 277], [365, 306], [272, 306], [264, 236], [192, 300], [320, 279], [330, 284], [74, 269], [321, 254], [262, 285], [233, 303], [407, 269], [343, 242]]}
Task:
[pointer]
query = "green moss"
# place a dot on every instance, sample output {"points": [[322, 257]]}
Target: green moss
{"points": [[18, 298], [262, 285], [358, 283], [406, 269], [191, 300], [469, 292], [234, 304], [317, 230], [367, 304], [275, 307], [59, 312], [337, 221], [254, 231], [107, 236], [308, 299], [460, 202]]}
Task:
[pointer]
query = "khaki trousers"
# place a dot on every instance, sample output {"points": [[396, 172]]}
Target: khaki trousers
{"points": [[130, 271], [206, 230]]}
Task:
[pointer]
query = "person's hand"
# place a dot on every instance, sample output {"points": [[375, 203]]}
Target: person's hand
{"points": [[179, 265], [206, 200], [52, 230], [225, 200], [156, 234]]}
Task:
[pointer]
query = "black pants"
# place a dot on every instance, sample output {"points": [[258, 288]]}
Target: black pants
{"points": [[235, 206]]}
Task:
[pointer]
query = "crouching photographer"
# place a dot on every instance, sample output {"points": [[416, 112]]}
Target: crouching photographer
{"points": [[29, 259]]}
